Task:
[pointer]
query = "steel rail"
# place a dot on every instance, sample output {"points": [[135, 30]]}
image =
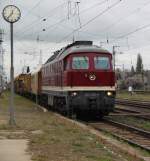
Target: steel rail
{"points": [[126, 133], [128, 127], [133, 103], [144, 117], [132, 113], [125, 110]]}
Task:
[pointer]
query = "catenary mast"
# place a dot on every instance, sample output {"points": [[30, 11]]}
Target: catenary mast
{"points": [[1, 60]]}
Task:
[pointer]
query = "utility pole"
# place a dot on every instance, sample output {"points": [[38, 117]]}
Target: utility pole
{"points": [[40, 63], [11, 14], [3, 68], [12, 117], [77, 7], [41, 58], [123, 72], [69, 9], [73, 39], [114, 56], [1, 58], [40, 54], [101, 44]]}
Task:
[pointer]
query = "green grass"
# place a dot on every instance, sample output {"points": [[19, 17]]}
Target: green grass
{"points": [[126, 95]]}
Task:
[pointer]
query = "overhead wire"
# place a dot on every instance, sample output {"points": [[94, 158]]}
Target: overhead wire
{"points": [[91, 20], [62, 20], [120, 36], [123, 18], [110, 7], [29, 26], [93, 6], [84, 32], [137, 48], [49, 27], [48, 17], [29, 11], [141, 28], [78, 13], [130, 33], [36, 5], [87, 9]]}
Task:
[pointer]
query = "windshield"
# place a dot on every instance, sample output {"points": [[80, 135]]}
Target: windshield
{"points": [[101, 62], [80, 62]]}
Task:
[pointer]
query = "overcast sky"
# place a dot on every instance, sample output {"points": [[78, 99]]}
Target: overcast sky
{"points": [[125, 23]]}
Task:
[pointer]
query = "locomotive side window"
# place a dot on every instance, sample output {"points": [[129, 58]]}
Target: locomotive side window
{"points": [[66, 64], [80, 62], [101, 62]]}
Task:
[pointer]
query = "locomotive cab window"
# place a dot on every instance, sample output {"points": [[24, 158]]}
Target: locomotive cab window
{"points": [[102, 62], [80, 62]]}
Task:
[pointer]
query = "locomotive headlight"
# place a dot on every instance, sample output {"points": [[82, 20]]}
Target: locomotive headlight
{"points": [[73, 94], [109, 93], [92, 77]]}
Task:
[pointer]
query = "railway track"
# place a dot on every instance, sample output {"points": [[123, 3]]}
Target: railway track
{"points": [[127, 111], [132, 135], [133, 103], [130, 112], [144, 117]]}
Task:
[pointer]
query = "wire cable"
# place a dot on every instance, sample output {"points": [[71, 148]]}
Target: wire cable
{"points": [[62, 20], [130, 33], [91, 20], [28, 27], [34, 7], [49, 27], [123, 18]]}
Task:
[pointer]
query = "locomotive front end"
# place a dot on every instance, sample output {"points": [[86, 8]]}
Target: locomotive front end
{"points": [[95, 101], [91, 82]]}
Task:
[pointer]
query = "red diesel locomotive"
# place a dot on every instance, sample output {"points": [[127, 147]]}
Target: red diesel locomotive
{"points": [[79, 78]]}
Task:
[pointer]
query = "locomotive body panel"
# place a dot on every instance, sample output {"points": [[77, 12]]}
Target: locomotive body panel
{"points": [[36, 83], [78, 79], [19, 84], [23, 84], [27, 83]]}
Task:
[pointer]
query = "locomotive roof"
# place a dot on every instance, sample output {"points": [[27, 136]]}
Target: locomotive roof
{"points": [[76, 48]]}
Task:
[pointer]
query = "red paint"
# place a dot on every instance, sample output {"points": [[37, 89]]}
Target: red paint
{"points": [[61, 74]]}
